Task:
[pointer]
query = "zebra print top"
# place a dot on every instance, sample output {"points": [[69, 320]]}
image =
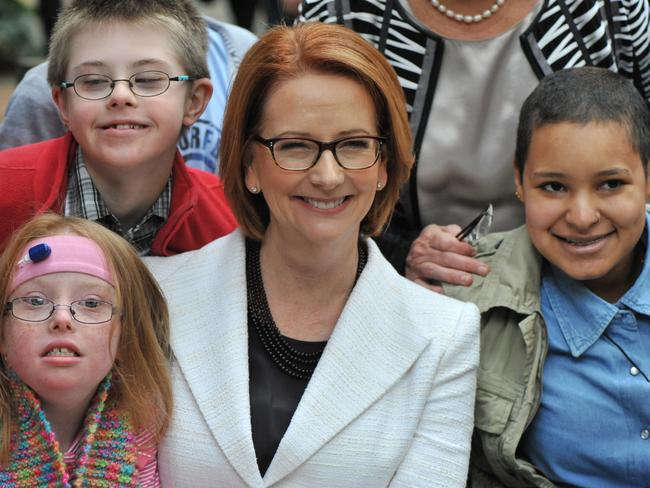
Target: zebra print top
{"points": [[565, 34], [614, 34]]}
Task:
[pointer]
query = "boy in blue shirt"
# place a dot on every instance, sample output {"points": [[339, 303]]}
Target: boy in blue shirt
{"points": [[565, 339]]}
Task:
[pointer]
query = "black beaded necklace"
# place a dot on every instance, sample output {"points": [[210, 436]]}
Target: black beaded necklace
{"points": [[297, 364]]}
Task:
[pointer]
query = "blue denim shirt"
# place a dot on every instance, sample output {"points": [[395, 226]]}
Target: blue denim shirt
{"points": [[593, 424]]}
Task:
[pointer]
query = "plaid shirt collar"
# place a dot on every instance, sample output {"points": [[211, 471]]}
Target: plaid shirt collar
{"points": [[83, 200]]}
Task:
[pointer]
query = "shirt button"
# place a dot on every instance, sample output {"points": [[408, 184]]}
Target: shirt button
{"points": [[634, 371], [645, 433]]}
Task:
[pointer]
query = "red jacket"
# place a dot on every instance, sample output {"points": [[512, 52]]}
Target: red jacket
{"points": [[34, 179]]}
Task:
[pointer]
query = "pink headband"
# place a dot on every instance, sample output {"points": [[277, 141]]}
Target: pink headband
{"points": [[59, 254]]}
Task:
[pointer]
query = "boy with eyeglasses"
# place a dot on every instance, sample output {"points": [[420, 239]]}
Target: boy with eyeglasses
{"points": [[127, 77], [31, 115]]}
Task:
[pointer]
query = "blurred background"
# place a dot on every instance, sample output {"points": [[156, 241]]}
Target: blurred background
{"points": [[25, 26]]}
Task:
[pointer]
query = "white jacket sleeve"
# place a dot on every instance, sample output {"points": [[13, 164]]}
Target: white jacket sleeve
{"points": [[439, 454]]}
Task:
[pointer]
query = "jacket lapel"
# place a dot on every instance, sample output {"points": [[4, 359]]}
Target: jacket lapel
{"points": [[371, 349], [514, 282], [210, 343]]}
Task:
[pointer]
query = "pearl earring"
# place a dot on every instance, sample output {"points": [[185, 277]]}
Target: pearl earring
{"points": [[379, 185], [254, 190], [518, 195]]}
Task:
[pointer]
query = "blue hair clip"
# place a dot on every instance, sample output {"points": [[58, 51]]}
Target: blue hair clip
{"points": [[36, 253]]}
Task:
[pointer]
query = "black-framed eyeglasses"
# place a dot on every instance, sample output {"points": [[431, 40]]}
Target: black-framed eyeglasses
{"points": [[143, 84], [300, 153], [39, 309]]}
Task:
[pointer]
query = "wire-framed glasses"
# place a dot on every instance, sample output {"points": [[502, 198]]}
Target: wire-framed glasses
{"points": [[299, 153], [39, 309], [143, 84]]}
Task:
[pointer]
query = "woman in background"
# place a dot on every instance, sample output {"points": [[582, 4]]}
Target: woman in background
{"points": [[466, 67]]}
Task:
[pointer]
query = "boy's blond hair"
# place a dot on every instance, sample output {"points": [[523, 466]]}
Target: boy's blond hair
{"points": [[142, 388], [186, 28]]}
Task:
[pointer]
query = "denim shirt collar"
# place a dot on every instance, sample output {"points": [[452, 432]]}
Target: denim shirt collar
{"points": [[637, 298], [581, 314]]}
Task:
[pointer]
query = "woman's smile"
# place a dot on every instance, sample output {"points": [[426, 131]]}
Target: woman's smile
{"points": [[325, 202]]}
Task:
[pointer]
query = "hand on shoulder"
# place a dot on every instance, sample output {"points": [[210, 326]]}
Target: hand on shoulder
{"points": [[438, 256]]}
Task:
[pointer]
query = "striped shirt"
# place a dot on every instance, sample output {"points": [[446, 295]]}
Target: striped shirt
{"points": [[83, 200], [612, 34]]}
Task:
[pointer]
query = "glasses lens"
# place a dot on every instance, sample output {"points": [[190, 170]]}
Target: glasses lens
{"points": [[91, 311], [39, 309], [149, 83], [358, 152], [93, 87], [295, 153], [31, 309]]}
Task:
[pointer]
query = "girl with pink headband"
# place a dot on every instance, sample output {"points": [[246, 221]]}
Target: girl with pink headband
{"points": [[85, 392]]}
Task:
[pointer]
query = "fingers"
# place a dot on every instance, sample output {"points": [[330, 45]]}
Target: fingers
{"points": [[433, 272], [430, 286], [443, 239], [436, 256]]}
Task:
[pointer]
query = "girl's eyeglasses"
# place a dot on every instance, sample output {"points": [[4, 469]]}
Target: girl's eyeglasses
{"points": [[39, 309]]}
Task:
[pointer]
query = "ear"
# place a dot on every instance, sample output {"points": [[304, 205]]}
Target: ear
{"points": [[197, 100], [250, 179], [647, 182], [519, 188], [60, 100], [382, 176]]}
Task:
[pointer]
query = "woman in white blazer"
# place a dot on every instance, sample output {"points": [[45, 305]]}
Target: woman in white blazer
{"points": [[302, 359]]}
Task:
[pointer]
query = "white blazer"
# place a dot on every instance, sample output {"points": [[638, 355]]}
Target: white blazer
{"points": [[390, 404]]}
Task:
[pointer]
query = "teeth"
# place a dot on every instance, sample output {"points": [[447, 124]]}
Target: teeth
{"points": [[320, 204], [61, 351], [126, 126], [582, 243]]}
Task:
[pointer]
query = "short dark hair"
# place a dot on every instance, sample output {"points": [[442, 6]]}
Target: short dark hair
{"points": [[580, 96]]}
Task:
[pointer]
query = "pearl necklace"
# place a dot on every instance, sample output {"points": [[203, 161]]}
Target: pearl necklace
{"points": [[468, 19]]}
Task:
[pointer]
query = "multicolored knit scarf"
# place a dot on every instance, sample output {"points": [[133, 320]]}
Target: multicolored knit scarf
{"points": [[108, 455]]}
